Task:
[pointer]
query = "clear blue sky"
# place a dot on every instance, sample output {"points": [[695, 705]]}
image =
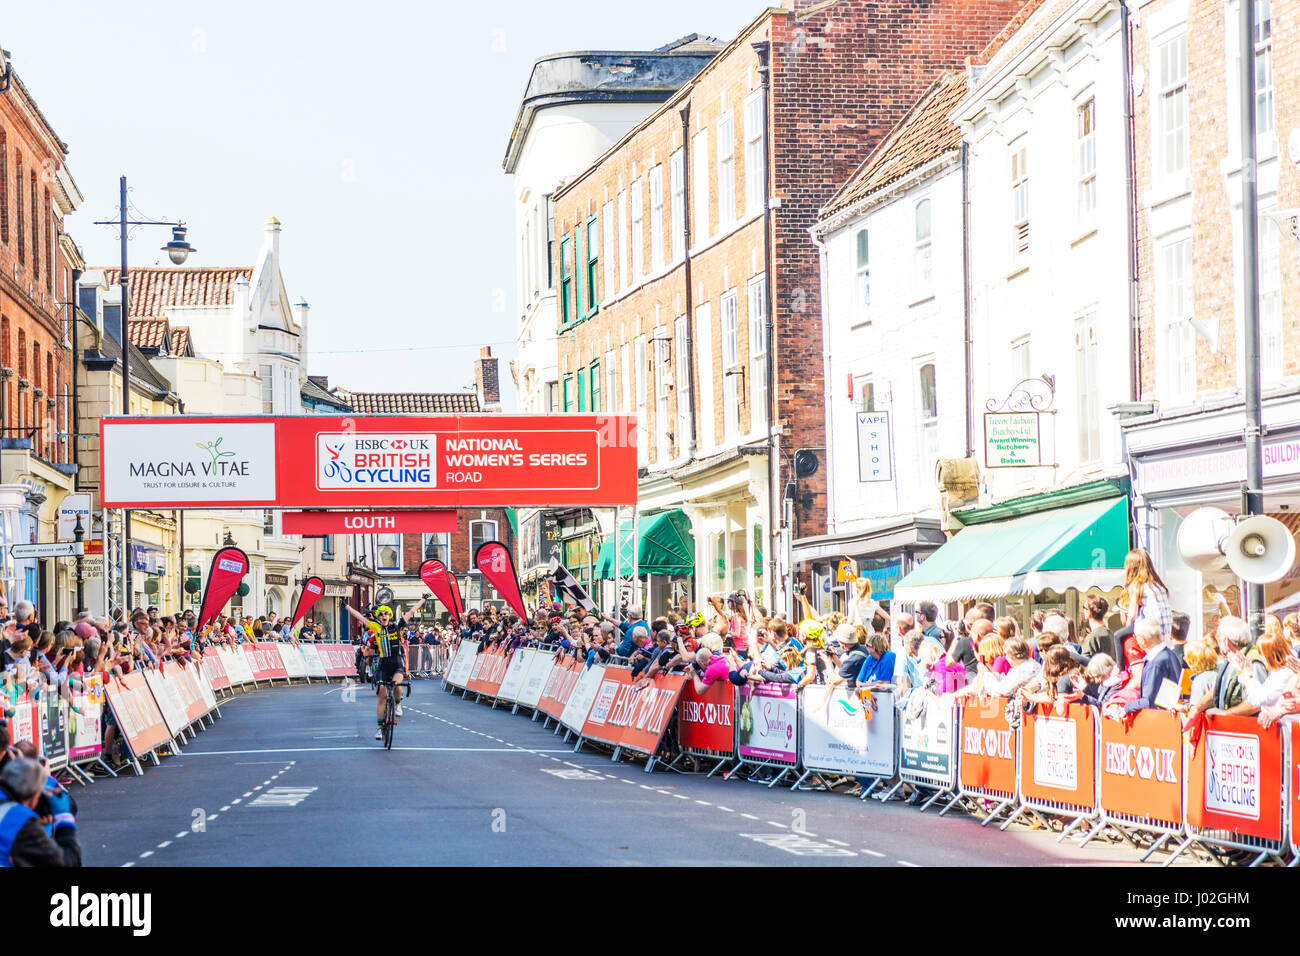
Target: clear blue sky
{"points": [[373, 131]]}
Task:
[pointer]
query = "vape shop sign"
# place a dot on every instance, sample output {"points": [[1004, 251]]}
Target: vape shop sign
{"points": [[380, 461]]}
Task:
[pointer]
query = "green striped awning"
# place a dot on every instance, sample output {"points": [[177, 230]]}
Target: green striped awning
{"points": [[665, 546]]}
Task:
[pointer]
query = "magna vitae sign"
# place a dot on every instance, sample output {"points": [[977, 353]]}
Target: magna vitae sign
{"points": [[382, 461]]}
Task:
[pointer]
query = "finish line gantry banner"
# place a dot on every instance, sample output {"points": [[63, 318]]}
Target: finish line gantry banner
{"points": [[377, 461]]}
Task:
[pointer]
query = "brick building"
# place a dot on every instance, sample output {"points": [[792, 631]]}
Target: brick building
{"points": [[393, 560], [36, 258], [842, 74], [1190, 351]]}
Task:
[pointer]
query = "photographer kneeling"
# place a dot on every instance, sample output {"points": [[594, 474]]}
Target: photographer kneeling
{"points": [[28, 803]]}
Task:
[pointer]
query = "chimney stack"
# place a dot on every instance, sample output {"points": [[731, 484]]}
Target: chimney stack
{"points": [[486, 383]]}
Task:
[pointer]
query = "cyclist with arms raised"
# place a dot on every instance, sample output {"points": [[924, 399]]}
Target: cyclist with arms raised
{"points": [[385, 641]]}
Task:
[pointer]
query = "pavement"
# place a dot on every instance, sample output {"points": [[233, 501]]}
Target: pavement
{"points": [[293, 776]]}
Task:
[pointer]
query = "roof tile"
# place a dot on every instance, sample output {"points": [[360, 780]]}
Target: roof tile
{"points": [[921, 137], [417, 403], [153, 290]]}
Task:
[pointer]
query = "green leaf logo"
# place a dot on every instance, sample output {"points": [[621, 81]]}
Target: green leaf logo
{"points": [[213, 448]]}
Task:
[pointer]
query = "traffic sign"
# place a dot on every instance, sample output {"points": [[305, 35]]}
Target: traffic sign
{"points": [[53, 549]]}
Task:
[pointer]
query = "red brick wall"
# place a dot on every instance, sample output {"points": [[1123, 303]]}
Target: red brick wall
{"points": [[29, 289], [461, 558], [842, 76]]}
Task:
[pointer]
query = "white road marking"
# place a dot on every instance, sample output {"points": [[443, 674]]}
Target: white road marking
{"points": [[283, 797], [164, 844], [704, 803], [871, 852], [237, 800], [728, 810], [797, 845], [906, 863], [836, 842], [183, 833], [129, 863], [224, 809], [773, 823], [146, 853], [578, 774], [749, 816], [680, 796]]}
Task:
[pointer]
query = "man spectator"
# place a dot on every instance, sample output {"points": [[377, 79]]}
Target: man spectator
{"points": [[1177, 642], [634, 630], [23, 840], [1160, 664], [926, 616], [1227, 695], [1098, 639], [1056, 630]]}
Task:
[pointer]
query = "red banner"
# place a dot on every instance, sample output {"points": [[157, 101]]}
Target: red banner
{"points": [[708, 721], [312, 589], [215, 671], [1142, 766], [339, 660], [1293, 778], [493, 559], [316, 523], [1234, 777], [229, 565], [988, 746], [631, 714], [378, 461], [438, 579]]}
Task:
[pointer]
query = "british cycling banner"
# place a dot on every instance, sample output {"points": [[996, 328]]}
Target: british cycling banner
{"points": [[494, 562], [229, 565], [378, 461], [438, 579], [312, 589]]}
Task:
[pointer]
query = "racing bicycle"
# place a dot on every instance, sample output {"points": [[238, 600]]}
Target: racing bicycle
{"points": [[390, 706]]}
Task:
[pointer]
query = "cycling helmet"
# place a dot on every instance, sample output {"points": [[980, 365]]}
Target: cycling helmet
{"points": [[695, 620], [812, 632], [383, 609]]}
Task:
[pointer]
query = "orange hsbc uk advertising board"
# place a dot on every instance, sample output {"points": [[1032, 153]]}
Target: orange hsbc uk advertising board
{"points": [[376, 461]]}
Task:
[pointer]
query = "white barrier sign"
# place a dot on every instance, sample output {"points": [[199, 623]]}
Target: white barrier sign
{"points": [[1232, 774], [575, 711], [311, 657], [1056, 757], [844, 734], [515, 672], [539, 669], [928, 743], [294, 665], [461, 668]]}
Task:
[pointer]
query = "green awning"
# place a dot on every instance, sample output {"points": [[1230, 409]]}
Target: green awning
{"points": [[1079, 547], [665, 546]]}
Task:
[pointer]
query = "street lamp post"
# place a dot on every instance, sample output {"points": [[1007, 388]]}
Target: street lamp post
{"points": [[178, 250], [78, 533]]}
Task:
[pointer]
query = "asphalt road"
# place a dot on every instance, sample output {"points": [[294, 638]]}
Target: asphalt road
{"points": [[293, 776]]}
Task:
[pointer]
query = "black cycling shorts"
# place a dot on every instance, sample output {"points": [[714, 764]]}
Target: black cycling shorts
{"points": [[388, 666]]}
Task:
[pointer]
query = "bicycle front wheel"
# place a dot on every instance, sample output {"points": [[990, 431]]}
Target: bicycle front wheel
{"points": [[390, 721]]}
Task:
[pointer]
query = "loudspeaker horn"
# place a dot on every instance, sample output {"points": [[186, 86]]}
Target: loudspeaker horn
{"points": [[1260, 550], [1201, 537]]}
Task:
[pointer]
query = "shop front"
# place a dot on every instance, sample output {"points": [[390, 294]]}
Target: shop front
{"points": [[1039, 552], [883, 554], [1182, 463], [665, 559]]}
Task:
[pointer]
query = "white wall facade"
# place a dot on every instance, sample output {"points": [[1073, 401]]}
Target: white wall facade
{"points": [[884, 342], [562, 141], [1049, 251]]}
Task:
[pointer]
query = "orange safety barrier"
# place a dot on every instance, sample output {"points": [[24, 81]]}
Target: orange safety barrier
{"points": [[1142, 769], [987, 760], [1292, 733], [1235, 793], [480, 678], [632, 715], [1058, 764], [559, 686], [137, 714], [24, 722]]}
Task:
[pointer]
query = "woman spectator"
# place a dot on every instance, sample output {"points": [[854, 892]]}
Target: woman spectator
{"points": [[862, 606], [1202, 658], [1282, 668], [1148, 596], [877, 672], [1291, 630], [991, 653], [1023, 669]]}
